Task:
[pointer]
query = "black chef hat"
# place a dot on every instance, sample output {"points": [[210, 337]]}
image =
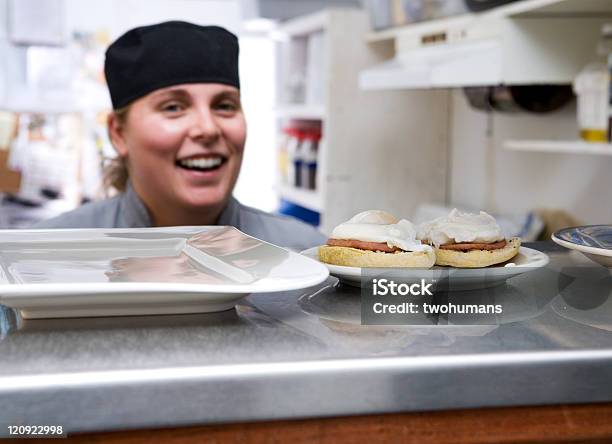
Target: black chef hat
{"points": [[151, 57]]}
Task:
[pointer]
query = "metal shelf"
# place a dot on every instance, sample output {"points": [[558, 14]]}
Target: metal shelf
{"points": [[559, 146], [309, 199], [525, 8], [521, 43]]}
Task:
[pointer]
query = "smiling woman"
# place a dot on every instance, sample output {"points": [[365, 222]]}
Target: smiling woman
{"points": [[192, 136], [179, 132]]}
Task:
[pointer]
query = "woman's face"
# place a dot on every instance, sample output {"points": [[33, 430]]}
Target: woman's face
{"points": [[184, 145]]}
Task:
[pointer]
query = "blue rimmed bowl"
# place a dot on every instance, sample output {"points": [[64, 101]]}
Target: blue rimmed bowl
{"points": [[594, 241]]}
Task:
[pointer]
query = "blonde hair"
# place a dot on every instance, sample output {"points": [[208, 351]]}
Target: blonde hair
{"points": [[116, 173]]}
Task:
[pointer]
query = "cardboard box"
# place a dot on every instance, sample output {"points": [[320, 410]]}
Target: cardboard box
{"points": [[10, 181]]}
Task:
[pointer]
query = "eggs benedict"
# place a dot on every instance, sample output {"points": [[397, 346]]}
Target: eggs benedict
{"points": [[466, 240], [376, 238]]}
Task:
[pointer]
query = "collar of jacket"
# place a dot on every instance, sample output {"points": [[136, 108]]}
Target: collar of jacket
{"points": [[135, 213]]}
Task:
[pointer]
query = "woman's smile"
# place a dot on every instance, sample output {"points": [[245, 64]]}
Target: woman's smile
{"points": [[202, 169]]}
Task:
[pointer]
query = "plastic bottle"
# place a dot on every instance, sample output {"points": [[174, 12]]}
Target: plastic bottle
{"points": [[592, 90], [293, 144], [298, 159], [606, 50], [283, 157], [309, 165]]}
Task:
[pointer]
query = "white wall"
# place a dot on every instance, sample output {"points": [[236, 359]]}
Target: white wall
{"points": [[119, 16], [579, 184], [12, 68], [255, 186]]}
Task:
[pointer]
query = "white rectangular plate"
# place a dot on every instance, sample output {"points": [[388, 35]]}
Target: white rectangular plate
{"points": [[113, 272]]}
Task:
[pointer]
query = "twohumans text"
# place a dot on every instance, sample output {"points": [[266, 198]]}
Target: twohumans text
{"points": [[385, 287], [436, 309], [423, 305]]}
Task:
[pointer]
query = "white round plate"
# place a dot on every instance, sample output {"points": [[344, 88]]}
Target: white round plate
{"points": [[459, 279], [594, 241]]}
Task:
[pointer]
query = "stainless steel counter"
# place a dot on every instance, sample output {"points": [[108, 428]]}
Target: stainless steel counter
{"points": [[304, 354]]}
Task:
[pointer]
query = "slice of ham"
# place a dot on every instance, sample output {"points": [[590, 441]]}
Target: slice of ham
{"points": [[362, 245], [465, 246]]}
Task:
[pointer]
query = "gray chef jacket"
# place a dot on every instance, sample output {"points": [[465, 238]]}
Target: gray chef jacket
{"points": [[126, 210]]}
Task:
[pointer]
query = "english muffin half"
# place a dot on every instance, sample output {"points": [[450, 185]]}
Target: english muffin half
{"points": [[478, 258], [355, 257]]}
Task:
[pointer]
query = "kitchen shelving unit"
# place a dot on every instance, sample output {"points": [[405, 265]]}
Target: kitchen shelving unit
{"points": [[374, 151], [526, 42]]}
